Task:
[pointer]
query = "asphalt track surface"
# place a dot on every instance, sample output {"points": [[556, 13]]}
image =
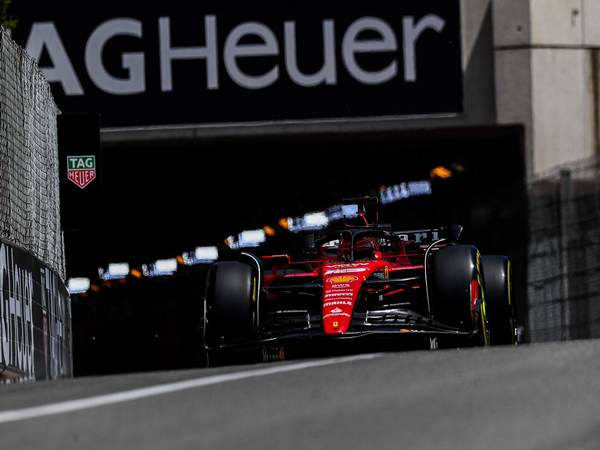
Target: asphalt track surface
{"points": [[544, 396]]}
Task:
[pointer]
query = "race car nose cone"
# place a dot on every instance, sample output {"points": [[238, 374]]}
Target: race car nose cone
{"points": [[339, 294], [342, 283]]}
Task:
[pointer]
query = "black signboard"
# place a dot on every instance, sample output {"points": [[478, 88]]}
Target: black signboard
{"points": [[144, 63], [35, 318], [80, 165]]}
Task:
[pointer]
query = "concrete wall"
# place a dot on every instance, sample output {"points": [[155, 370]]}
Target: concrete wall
{"points": [[546, 66]]}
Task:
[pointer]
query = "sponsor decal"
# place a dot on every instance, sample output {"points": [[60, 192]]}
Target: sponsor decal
{"points": [[336, 315], [337, 289], [340, 286], [419, 236], [347, 270], [340, 294], [30, 293], [334, 303], [16, 313], [81, 170], [336, 312], [311, 56], [394, 269], [342, 279], [347, 266]]}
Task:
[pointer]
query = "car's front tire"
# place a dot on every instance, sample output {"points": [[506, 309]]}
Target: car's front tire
{"points": [[230, 303], [456, 271]]}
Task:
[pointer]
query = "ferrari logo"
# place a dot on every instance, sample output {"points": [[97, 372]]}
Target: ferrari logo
{"points": [[335, 324], [81, 169]]}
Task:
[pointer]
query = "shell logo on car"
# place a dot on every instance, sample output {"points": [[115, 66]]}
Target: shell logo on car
{"points": [[352, 269], [342, 279]]}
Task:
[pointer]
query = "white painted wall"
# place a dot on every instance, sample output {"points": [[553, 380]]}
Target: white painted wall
{"points": [[544, 76]]}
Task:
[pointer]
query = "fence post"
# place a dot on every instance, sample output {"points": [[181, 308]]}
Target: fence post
{"points": [[566, 214]]}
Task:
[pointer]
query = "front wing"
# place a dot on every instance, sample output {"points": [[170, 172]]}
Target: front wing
{"points": [[289, 327]]}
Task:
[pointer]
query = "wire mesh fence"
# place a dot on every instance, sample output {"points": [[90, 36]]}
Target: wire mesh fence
{"points": [[29, 183], [564, 254]]}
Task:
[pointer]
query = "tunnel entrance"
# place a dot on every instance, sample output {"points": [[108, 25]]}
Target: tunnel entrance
{"points": [[171, 197]]}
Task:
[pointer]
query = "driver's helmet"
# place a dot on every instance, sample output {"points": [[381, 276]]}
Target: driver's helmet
{"points": [[364, 249]]}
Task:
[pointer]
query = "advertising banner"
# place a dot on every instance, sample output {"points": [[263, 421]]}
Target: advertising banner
{"points": [[35, 318], [80, 166], [205, 62]]}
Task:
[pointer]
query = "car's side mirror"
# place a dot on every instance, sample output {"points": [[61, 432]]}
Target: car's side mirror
{"points": [[310, 255], [309, 242], [454, 233], [310, 252]]}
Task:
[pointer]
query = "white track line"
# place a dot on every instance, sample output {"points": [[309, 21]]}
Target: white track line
{"points": [[135, 394]]}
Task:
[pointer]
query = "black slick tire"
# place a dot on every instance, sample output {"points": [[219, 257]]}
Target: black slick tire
{"points": [[230, 303], [499, 299], [453, 271]]}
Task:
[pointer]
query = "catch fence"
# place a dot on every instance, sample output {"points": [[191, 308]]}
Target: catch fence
{"points": [[563, 294], [29, 183]]}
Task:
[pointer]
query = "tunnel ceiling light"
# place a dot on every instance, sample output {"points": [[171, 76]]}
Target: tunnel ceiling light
{"points": [[202, 255], [283, 223], [316, 220], [160, 267], [78, 285], [335, 213], [349, 210], [252, 238], [114, 271], [269, 231], [136, 273], [206, 254], [405, 190], [440, 172], [166, 265], [418, 188], [118, 270], [309, 222]]}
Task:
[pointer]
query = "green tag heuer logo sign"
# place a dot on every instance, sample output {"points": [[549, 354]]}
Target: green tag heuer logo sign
{"points": [[82, 169]]}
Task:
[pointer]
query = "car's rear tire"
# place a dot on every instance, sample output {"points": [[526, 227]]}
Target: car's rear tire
{"points": [[499, 299], [230, 303], [455, 272]]}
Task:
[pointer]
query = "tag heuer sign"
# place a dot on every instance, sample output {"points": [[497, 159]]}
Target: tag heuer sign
{"points": [[81, 169]]}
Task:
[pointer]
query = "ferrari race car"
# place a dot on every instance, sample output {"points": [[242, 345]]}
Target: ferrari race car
{"points": [[360, 281]]}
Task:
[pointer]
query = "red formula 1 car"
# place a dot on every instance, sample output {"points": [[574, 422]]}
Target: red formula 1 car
{"points": [[362, 281]]}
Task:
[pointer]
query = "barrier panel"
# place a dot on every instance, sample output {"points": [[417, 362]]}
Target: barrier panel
{"points": [[35, 318], [35, 311]]}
